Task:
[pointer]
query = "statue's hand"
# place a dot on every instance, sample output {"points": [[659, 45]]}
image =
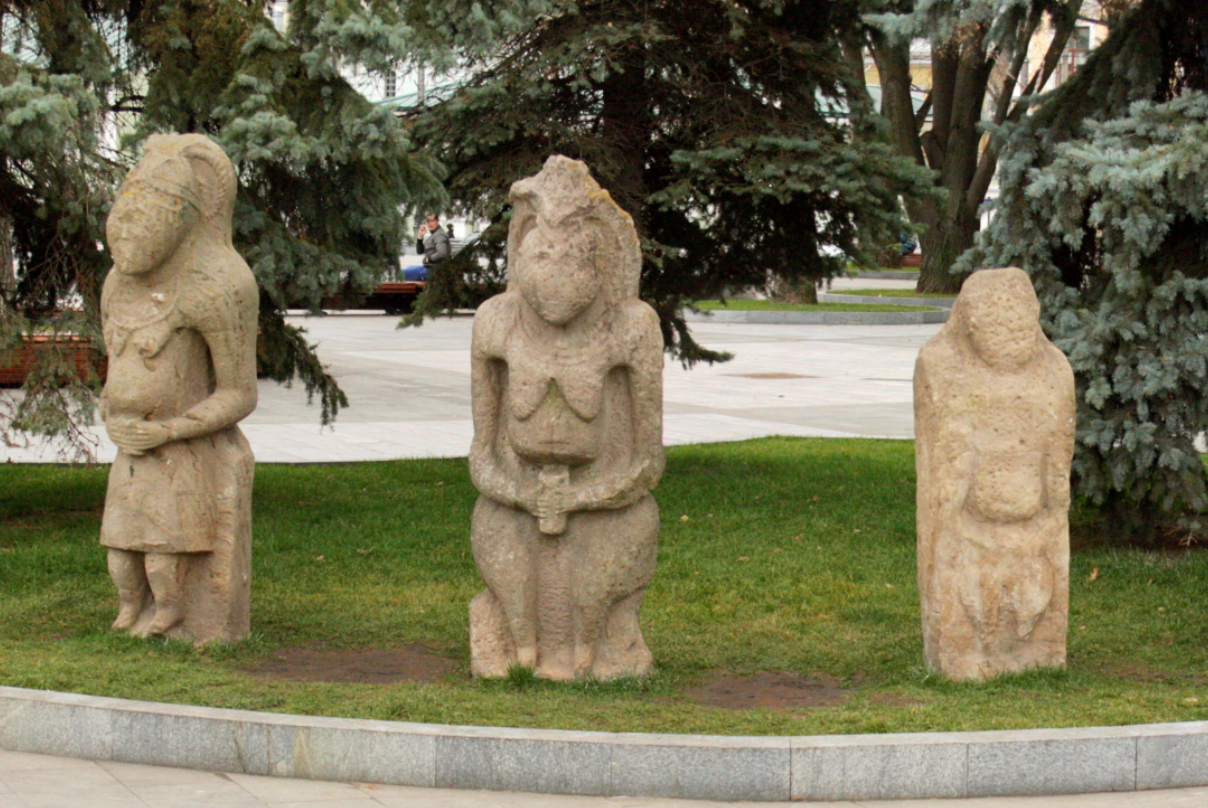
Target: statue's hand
{"points": [[136, 437], [554, 500]]}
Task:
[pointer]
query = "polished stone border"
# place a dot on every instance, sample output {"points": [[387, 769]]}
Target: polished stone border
{"points": [[839, 297], [835, 767], [819, 317]]}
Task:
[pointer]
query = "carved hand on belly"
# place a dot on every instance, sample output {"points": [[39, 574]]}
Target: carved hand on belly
{"points": [[136, 437]]}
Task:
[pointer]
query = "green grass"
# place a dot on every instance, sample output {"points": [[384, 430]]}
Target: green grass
{"points": [[796, 555], [771, 305], [891, 293]]}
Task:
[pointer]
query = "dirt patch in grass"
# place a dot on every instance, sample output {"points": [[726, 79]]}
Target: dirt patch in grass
{"points": [[1141, 672], [411, 663], [776, 690]]}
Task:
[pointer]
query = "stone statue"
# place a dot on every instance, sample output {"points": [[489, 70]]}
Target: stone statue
{"points": [[567, 391], [179, 314], [994, 426]]}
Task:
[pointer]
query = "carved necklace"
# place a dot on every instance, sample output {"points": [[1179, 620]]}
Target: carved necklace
{"points": [[147, 308]]}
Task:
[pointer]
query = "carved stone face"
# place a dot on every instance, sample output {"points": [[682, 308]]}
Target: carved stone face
{"points": [[146, 227], [1003, 327], [557, 273]]}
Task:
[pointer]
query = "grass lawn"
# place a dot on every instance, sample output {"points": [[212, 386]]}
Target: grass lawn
{"points": [[890, 293], [776, 555], [771, 305]]}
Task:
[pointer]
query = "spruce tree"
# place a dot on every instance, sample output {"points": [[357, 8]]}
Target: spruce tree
{"points": [[323, 173], [1103, 203], [732, 131]]}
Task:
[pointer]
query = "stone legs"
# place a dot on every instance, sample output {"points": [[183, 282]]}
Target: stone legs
{"points": [[566, 605], [989, 611], [196, 597]]}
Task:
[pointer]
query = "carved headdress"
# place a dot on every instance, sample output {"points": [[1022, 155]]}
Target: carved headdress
{"points": [[565, 197], [192, 168]]}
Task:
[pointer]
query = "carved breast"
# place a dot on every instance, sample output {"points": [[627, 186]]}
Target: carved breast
{"points": [[157, 367], [554, 403]]}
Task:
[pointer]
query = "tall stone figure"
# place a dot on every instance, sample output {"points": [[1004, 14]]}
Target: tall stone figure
{"points": [[179, 315], [567, 393], [994, 425]]}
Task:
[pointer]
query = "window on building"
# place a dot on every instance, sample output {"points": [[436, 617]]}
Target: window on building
{"points": [[391, 84], [1080, 40]]}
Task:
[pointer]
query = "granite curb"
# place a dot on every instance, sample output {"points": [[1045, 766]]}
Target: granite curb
{"points": [[819, 317], [886, 300], [706, 767], [887, 275]]}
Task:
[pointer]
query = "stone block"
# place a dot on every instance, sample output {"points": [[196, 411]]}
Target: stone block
{"points": [[513, 764], [189, 742], [818, 772], [733, 769], [55, 728], [1172, 761], [375, 753], [1052, 767], [856, 770]]}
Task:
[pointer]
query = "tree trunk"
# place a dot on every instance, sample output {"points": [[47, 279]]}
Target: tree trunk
{"points": [[626, 123], [8, 276], [943, 242]]}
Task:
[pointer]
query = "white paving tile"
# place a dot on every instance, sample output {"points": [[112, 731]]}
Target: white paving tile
{"points": [[275, 790], [410, 390]]}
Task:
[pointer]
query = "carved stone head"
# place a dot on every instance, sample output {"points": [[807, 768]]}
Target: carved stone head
{"points": [[998, 313], [569, 243], [183, 183]]}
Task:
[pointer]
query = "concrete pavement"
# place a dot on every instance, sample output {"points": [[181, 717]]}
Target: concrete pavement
{"points": [[42, 781], [410, 390]]}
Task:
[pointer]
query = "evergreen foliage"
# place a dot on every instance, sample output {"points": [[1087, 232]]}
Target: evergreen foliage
{"points": [[717, 125], [323, 173], [1104, 204]]}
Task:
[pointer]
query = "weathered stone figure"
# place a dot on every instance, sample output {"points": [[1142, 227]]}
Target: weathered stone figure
{"points": [[994, 425], [179, 315], [567, 390]]}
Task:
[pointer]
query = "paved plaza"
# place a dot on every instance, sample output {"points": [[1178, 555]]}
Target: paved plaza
{"points": [[41, 781], [409, 390]]}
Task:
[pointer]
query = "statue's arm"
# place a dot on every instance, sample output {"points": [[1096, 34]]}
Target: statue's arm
{"points": [[231, 337], [103, 403], [645, 368], [925, 437], [486, 364], [1060, 457]]}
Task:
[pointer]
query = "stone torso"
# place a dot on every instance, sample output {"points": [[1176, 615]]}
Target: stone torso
{"points": [[556, 407], [159, 366]]}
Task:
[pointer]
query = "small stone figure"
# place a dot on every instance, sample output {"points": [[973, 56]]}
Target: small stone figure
{"points": [[567, 391], [994, 423], [179, 315]]}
